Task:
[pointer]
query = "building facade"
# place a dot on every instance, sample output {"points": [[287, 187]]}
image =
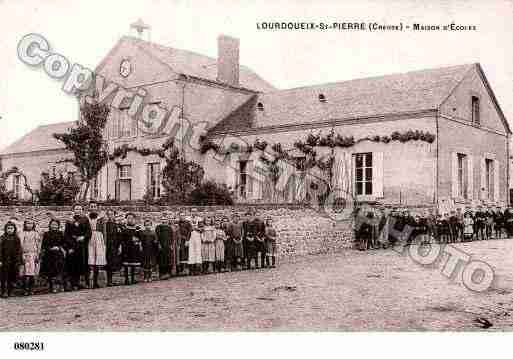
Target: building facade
{"points": [[428, 137]]}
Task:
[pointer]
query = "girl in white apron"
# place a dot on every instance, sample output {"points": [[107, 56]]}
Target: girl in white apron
{"points": [[97, 248], [31, 249]]}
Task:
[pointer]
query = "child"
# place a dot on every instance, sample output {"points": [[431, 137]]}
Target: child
{"points": [[131, 248], [468, 226], [166, 235], [52, 252], [96, 248], [195, 258], [219, 246], [31, 247], [150, 249], [10, 258], [208, 249], [270, 241], [111, 232], [236, 235]]}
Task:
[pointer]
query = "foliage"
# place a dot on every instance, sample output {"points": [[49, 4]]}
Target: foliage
{"points": [[85, 141], [179, 177], [57, 189], [210, 193]]}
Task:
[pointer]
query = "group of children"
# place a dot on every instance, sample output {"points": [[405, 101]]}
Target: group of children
{"points": [[377, 229], [113, 242]]}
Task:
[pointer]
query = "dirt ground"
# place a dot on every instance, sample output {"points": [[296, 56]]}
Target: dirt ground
{"points": [[375, 290]]}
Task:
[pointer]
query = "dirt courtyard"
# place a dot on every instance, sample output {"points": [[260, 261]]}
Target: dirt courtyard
{"points": [[375, 290]]}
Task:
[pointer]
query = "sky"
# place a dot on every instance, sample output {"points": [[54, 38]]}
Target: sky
{"points": [[84, 32]]}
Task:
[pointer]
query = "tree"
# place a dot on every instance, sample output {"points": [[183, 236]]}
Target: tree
{"points": [[179, 177], [210, 193], [85, 141], [57, 189]]}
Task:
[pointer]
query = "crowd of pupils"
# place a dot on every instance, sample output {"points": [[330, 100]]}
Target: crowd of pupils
{"points": [[381, 228], [116, 243]]}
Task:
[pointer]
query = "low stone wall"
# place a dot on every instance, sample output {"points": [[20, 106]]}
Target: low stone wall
{"points": [[301, 230]]}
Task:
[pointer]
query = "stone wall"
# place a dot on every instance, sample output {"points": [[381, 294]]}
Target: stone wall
{"points": [[301, 230]]}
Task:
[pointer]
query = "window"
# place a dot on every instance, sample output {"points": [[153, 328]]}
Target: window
{"points": [[124, 171], [17, 185], [475, 111], [322, 98], [243, 179], [260, 106], [363, 173], [154, 180], [462, 176], [123, 126], [489, 178]]}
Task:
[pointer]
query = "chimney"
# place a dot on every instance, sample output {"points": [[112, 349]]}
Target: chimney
{"points": [[228, 60]]}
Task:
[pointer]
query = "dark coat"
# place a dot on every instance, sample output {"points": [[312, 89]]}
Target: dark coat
{"points": [[131, 245], [10, 255], [184, 230], [167, 238], [149, 248], [52, 264], [77, 262], [112, 234]]}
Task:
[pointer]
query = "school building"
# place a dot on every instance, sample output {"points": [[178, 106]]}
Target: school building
{"points": [[435, 136]]}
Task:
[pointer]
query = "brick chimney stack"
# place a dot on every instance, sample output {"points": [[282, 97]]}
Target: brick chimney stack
{"points": [[228, 60]]}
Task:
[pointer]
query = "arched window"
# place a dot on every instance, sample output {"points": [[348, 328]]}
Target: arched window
{"points": [[322, 98], [260, 106]]}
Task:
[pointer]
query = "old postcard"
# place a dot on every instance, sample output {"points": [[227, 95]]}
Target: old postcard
{"points": [[259, 166]]}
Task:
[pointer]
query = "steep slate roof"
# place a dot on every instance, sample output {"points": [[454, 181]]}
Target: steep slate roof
{"points": [[397, 93], [200, 66], [39, 139]]}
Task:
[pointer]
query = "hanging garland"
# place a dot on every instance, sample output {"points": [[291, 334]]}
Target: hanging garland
{"points": [[331, 140]]}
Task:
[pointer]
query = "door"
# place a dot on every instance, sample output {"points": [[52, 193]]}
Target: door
{"points": [[124, 190]]}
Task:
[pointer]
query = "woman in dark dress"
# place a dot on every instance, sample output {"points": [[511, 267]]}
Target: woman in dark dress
{"points": [[52, 252], [10, 258]]}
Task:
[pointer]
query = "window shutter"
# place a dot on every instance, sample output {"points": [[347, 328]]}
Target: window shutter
{"points": [[377, 174], [249, 179], [454, 174], [482, 189], [496, 176], [148, 179], [470, 174], [353, 176]]}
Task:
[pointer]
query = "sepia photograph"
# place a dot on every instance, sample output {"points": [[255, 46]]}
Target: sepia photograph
{"points": [[313, 169]]}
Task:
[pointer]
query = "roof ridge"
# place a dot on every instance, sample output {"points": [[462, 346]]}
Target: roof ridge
{"points": [[369, 78]]}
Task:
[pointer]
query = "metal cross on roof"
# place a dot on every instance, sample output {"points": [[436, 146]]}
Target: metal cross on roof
{"points": [[139, 26]]}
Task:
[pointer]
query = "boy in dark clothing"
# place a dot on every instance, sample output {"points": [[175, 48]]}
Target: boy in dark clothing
{"points": [[480, 222], [453, 227], [131, 248], [111, 232], [167, 244], [149, 249]]}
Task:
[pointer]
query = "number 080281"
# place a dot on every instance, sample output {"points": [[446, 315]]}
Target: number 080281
{"points": [[29, 346]]}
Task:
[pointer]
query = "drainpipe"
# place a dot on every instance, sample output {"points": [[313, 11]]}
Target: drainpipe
{"points": [[508, 200], [437, 158]]}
